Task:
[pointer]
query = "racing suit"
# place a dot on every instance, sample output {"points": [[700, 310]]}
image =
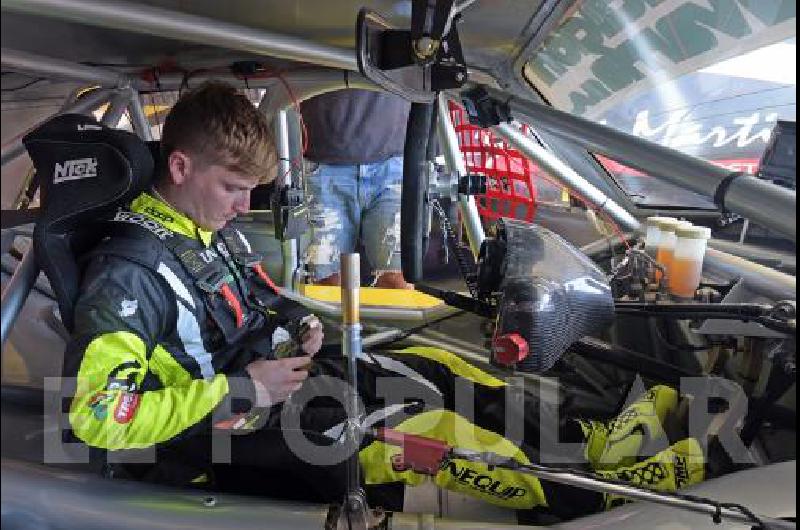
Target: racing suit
{"points": [[159, 351]]}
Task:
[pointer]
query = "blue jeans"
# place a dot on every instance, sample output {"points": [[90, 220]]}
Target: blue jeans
{"points": [[351, 204]]}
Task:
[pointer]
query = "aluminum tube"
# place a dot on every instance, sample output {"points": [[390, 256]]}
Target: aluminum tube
{"points": [[768, 282], [116, 108], [289, 255], [141, 18], [351, 286], [566, 175], [632, 492], [381, 337], [351, 348], [455, 163], [8, 265], [14, 148], [16, 292], [684, 170], [284, 155], [304, 84], [746, 197], [288, 248], [764, 203], [48, 67], [139, 119]]}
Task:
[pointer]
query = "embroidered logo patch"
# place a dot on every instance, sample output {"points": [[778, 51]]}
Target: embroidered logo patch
{"points": [[99, 405], [127, 308], [158, 214], [126, 407], [81, 168]]}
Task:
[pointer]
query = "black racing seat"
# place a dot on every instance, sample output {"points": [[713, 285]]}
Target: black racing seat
{"points": [[85, 170]]}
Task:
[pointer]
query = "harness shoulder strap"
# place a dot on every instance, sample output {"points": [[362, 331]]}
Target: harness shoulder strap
{"points": [[202, 265], [249, 262]]}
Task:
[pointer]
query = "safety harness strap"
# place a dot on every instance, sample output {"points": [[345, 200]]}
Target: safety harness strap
{"points": [[203, 265]]}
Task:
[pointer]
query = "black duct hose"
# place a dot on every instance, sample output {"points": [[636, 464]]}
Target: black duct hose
{"points": [[412, 203]]}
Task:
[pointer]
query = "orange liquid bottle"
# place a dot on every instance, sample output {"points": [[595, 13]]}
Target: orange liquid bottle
{"points": [[686, 267]]}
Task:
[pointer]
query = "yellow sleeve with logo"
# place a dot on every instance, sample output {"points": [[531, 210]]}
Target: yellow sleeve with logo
{"points": [[118, 321]]}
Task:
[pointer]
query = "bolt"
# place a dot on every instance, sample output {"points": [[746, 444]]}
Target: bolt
{"points": [[425, 46]]}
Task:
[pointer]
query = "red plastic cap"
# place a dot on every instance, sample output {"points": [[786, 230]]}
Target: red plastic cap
{"points": [[510, 348]]}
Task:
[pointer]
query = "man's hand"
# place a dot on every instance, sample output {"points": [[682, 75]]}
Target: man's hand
{"points": [[311, 340], [276, 380]]}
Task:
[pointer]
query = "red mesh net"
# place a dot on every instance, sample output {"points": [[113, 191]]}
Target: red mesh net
{"points": [[510, 189]]}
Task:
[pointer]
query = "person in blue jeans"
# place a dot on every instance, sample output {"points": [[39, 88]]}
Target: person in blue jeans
{"points": [[354, 176]]}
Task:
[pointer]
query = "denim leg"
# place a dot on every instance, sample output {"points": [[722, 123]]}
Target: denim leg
{"points": [[380, 218], [332, 196]]}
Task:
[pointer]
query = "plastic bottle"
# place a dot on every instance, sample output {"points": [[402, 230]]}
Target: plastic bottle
{"points": [[666, 243], [652, 235], [687, 261]]}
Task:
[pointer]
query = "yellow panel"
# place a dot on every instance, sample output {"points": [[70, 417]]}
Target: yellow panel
{"points": [[373, 296]]}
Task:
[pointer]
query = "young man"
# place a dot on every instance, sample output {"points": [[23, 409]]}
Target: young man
{"points": [[175, 337], [355, 162]]}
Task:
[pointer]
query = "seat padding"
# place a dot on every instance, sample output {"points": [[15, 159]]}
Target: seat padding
{"points": [[85, 171]]}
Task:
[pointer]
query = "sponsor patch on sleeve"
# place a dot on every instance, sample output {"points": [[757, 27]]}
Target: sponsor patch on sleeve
{"points": [[126, 407]]}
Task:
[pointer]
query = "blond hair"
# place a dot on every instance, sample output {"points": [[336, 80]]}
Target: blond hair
{"points": [[220, 125]]}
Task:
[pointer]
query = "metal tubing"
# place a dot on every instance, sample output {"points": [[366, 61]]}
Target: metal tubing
{"points": [[565, 174], [763, 202], [138, 118], [288, 248], [284, 155], [769, 282], [16, 292], [632, 492], [289, 255], [141, 18], [48, 67], [14, 148], [351, 347], [455, 163], [351, 284], [116, 108]]}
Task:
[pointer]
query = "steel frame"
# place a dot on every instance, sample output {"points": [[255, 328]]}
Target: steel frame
{"points": [[565, 174], [766, 203]]}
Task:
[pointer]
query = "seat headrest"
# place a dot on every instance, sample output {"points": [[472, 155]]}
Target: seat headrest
{"points": [[84, 168]]}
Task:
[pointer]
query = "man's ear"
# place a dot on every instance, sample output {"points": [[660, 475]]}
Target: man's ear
{"points": [[180, 167]]}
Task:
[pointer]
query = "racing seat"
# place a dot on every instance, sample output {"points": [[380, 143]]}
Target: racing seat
{"points": [[85, 171]]}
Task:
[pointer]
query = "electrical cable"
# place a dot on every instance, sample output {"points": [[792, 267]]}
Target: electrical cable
{"points": [[412, 330]]}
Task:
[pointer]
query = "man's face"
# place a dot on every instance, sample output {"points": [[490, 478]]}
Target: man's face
{"points": [[211, 194]]}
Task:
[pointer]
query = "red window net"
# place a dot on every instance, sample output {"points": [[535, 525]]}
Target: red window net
{"points": [[510, 186]]}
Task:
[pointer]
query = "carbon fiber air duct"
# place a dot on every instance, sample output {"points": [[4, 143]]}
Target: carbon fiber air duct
{"points": [[549, 295]]}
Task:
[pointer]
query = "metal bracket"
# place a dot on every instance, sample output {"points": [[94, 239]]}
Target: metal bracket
{"points": [[416, 63], [483, 110]]}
